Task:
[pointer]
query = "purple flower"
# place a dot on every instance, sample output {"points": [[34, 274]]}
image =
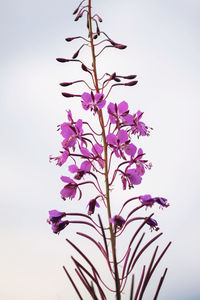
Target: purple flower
{"points": [[117, 112], [93, 102], [62, 158], [141, 164], [95, 155], [92, 205], [147, 200], [161, 201], [69, 190], [153, 224], [60, 225], [80, 172], [118, 221], [97, 151], [55, 217], [131, 177], [120, 143], [137, 127], [71, 133]]}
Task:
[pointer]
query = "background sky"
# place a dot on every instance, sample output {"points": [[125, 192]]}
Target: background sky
{"points": [[163, 50]]}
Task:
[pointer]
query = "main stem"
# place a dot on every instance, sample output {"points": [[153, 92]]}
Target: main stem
{"points": [[101, 120]]}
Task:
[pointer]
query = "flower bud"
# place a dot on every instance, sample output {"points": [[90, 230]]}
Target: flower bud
{"points": [[116, 45], [84, 68], [69, 39], [66, 83], [131, 83], [62, 60], [76, 54], [67, 95], [130, 77], [99, 18]]}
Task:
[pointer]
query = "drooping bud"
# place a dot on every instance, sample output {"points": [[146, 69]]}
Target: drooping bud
{"points": [[99, 18], [69, 39], [62, 60], [76, 54], [84, 68], [116, 45], [66, 83], [68, 95], [130, 77], [131, 83]]}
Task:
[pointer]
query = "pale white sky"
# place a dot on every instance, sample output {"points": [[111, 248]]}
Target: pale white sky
{"points": [[163, 50]]}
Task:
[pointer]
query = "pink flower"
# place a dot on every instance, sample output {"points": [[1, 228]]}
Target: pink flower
{"points": [[131, 177], [69, 190], [61, 159], [92, 205], [93, 102], [120, 143], [118, 221], [80, 172], [71, 133], [55, 217], [118, 112]]}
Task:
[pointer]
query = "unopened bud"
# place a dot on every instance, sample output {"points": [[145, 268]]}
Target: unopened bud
{"points": [[100, 19], [76, 54], [84, 68], [116, 79], [62, 60], [130, 77], [67, 95], [120, 46], [69, 39], [131, 83], [116, 45], [75, 11], [66, 83]]}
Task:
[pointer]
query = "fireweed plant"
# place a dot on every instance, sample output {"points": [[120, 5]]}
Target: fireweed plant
{"points": [[92, 154]]}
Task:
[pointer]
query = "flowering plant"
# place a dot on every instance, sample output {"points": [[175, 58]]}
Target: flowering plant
{"points": [[109, 153]]}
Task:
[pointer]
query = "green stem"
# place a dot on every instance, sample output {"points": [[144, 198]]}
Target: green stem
{"points": [[101, 120]]}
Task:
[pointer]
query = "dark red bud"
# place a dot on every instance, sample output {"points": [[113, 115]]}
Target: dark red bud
{"points": [[130, 77], [131, 83], [112, 76], [95, 36], [84, 68], [100, 19], [67, 95], [98, 30], [66, 83], [116, 79], [75, 11], [75, 54], [116, 45], [78, 16], [120, 46], [62, 60], [69, 39]]}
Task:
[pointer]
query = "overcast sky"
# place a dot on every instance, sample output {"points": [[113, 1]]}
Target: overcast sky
{"points": [[163, 50]]}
